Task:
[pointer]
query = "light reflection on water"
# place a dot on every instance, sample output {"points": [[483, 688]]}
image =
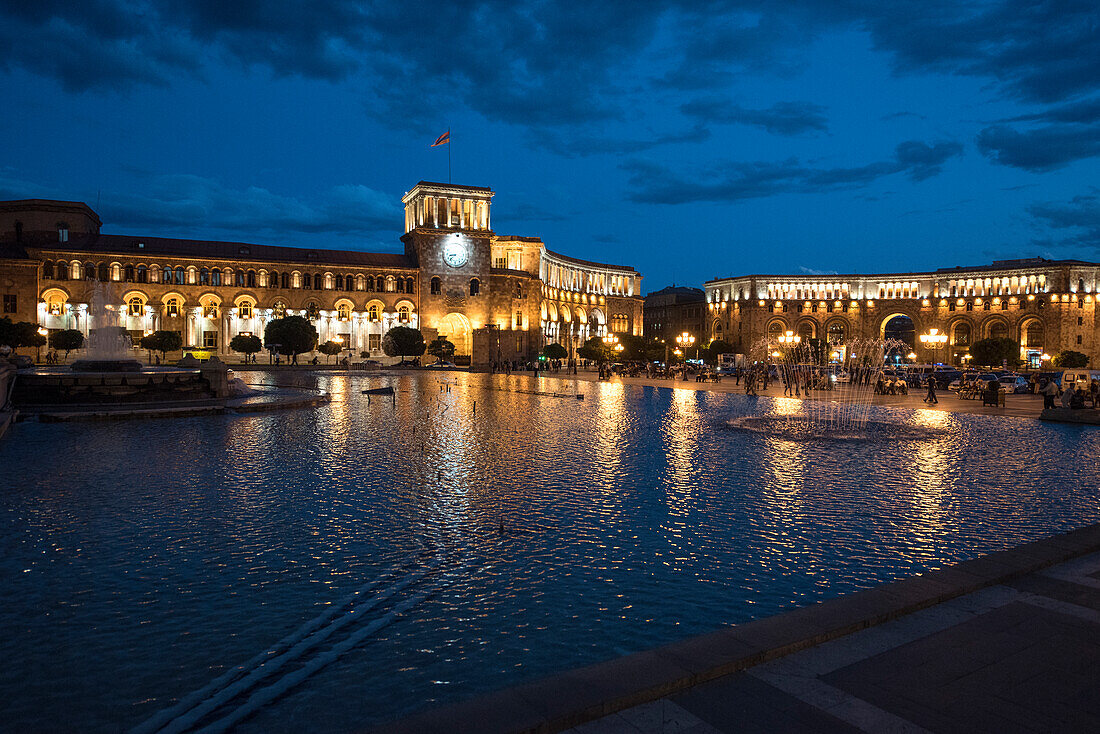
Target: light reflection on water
{"points": [[139, 559]]}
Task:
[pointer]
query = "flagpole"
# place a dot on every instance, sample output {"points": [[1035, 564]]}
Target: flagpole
{"points": [[448, 155]]}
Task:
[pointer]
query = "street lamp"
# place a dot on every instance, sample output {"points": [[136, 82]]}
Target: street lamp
{"points": [[685, 340], [789, 338], [42, 331], [933, 340]]}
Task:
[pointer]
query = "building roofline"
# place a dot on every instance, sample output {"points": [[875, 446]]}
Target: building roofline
{"points": [[1024, 264], [590, 263], [15, 205]]}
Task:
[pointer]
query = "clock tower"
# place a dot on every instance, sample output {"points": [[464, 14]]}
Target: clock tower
{"points": [[448, 237]]}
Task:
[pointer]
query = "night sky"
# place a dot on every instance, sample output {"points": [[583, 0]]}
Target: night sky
{"points": [[689, 140]]}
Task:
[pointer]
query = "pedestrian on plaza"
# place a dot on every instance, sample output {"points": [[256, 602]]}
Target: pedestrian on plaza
{"points": [[1049, 392], [1067, 395], [931, 396]]}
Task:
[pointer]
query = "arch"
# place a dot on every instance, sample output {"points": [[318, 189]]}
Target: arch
{"points": [[836, 330], [961, 333], [135, 303], [597, 316], [552, 311], [278, 309], [1031, 333], [776, 327], [995, 327], [806, 328], [566, 314], [475, 287], [542, 310], [436, 287], [375, 309], [131, 293], [905, 331], [243, 296], [210, 297], [344, 302], [581, 316], [173, 294], [455, 327], [90, 270]]}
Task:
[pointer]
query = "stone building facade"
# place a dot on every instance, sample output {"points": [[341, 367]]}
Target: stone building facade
{"points": [[1045, 305], [495, 297], [674, 310]]}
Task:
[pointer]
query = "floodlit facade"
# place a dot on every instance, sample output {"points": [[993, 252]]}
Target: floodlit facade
{"points": [[495, 297], [1045, 305]]}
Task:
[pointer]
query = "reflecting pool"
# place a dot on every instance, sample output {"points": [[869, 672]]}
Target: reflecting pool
{"points": [[492, 536]]}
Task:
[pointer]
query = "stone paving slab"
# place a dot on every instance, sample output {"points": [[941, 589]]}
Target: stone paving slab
{"points": [[932, 652]]}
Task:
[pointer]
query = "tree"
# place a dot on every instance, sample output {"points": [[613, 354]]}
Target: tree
{"points": [[330, 348], [716, 347], [290, 336], [555, 351], [634, 348], [994, 352], [162, 341], [593, 349], [246, 344], [20, 334], [441, 349], [1070, 358], [404, 341], [66, 341]]}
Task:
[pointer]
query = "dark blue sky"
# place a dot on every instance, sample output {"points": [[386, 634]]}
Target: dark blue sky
{"points": [[691, 140]]}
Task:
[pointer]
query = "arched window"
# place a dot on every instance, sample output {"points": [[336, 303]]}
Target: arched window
{"points": [[343, 312], [284, 280], [312, 310], [280, 309], [372, 312], [358, 283], [244, 310], [215, 277], [962, 335], [390, 287], [998, 330], [410, 285], [128, 274], [172, 308], [836, 333], [89, 271], [475, 286], [436, 286], [316, 281], [62, 270], [166, 276], [142, 274], [204, 276], [180, 280], [328, 281], [307, 281], [380, 284], [135, 306], [250, 279], [400, 285], [210, 311], [273, 279], [339, 281], [47, 270], [102, 274], [239, 282], [403, 314]]}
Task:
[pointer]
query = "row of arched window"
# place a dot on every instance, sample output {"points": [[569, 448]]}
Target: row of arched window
{"points": [[250, 278], [135, 306]]}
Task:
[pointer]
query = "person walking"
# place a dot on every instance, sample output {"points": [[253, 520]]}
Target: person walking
{"points": [[931, 396], [1049, 392]]}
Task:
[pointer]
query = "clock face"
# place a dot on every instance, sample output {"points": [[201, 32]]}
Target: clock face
{"points": [[455, 254]]}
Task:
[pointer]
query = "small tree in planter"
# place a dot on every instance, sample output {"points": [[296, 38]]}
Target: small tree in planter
{"points": [[66, 341], [330, 348], [555, 351], [246, 344], [441, 349]]}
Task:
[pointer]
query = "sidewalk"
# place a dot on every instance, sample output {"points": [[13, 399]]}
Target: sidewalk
{"points": [[1009, 642]]}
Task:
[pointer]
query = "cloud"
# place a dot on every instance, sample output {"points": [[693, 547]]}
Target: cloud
{"points": [[782, 118], [1081, 215], [573, 146], [736, 180], [1083, 111], [201, 206], [1041, 149], [811, 271]]}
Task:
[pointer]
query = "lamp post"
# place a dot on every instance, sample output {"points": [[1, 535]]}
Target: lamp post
{"points": [[42, 331], [933, 340], [685, 340]]}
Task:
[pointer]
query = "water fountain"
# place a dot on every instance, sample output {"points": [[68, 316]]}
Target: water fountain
{"points": [[108, 348], [836, 384]]}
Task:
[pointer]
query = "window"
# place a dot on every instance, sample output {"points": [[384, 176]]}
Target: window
{"points": [[312, 310], [62, 270], [101, 273], [135, 306], [240, 278], [180, 279], [390, 287], [89, 271], [372, 312], [519, 290], [986, 306], [210, 311], [316, 281], [343, 312], [307, 282], [410, 285], [142, 274], [1078, 338], [400, 285], [374, 342], [215, 277], [172, 307], [436, 286], [210, 340], [475, 286], [1080, 321], [499, 262], [969, 306], [519, 320], [128, 274], [339, 282], [284, 281], [273, 279], [403, 314], [250, 278], [62, 232], [280, 310], [244, 310], [380, 284], [47, 270], [10, 303]]}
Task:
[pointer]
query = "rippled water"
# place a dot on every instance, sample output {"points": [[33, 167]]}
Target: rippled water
{"points": [[141, 559]]}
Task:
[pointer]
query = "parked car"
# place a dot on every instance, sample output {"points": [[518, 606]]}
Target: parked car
{"points": [[1078, 376], [371, 364], [1016, 384]]}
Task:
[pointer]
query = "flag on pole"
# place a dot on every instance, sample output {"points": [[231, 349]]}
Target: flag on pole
{"points": [[443, 139]]}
